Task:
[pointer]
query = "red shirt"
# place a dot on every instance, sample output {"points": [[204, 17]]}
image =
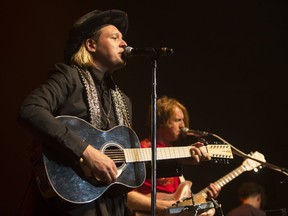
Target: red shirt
{"points": [[167, 185]]}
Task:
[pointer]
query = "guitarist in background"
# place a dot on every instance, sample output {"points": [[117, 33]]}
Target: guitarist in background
{"points": [[83, 87], [171, 116]]}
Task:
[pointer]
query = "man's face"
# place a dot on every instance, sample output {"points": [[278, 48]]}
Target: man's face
{"points": [[173, 131], [109, 49]]}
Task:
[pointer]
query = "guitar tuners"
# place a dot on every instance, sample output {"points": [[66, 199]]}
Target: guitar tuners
{"points": [[220, 151], [221, 160]]}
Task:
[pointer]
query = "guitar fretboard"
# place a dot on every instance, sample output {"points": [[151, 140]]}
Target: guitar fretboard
{"points": [[145, 154], [247, 165], [223, 181]]}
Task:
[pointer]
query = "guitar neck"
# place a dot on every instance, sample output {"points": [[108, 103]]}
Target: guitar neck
{"points": [[145, 154], [220, 183], [247, 165]]}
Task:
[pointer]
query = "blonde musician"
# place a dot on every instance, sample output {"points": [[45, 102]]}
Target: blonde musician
{"points": [[172, 116]]}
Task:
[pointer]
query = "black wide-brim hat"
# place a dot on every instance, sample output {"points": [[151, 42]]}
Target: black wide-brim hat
{"points": [[86, 25]]}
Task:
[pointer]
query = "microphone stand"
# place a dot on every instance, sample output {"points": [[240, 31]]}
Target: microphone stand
{"points": [[242, 154], [153, 137]]}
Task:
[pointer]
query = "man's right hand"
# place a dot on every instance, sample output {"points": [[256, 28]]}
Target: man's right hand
{"points": [[101, 166]]}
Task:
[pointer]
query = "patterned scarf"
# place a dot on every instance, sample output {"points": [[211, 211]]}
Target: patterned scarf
{"points": [[118, 100]]}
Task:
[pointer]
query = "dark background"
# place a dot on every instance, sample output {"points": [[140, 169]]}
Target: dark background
{"points": [[229, 69]]}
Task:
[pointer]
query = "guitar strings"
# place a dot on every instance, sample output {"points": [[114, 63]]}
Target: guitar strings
{"points": [[116, 155]]}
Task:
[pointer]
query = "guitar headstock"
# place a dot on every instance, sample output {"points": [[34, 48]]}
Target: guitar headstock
{"points": [[251, 164], [219, 152]]}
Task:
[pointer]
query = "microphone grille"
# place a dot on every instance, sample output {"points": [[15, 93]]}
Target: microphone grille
{"points": [[184, 130], [127, 51]]}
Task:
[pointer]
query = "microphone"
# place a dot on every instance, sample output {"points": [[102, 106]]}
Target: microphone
{"points": [[149, 52], [197, 133]]}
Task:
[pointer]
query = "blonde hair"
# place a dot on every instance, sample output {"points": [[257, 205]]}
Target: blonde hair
{"points": [[83, 57], [165, 111]]}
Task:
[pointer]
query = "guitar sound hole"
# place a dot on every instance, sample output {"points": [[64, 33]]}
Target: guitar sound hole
{"points": [[115, 152]]}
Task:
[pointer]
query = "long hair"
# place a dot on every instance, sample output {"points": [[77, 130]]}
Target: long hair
{"points": [[165, 111], [83, 57]]}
